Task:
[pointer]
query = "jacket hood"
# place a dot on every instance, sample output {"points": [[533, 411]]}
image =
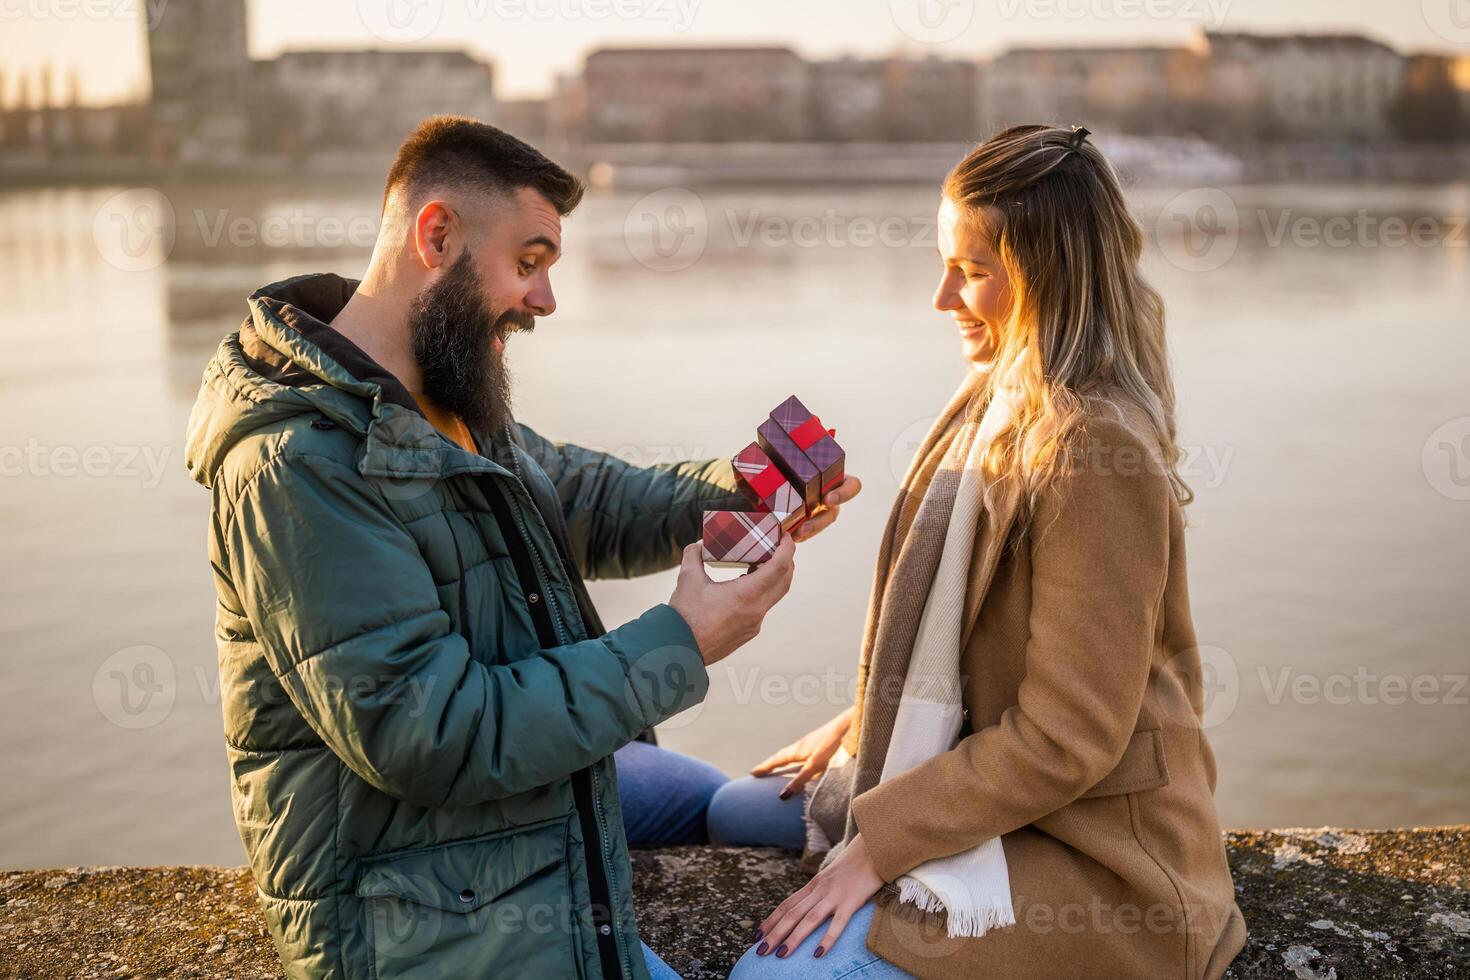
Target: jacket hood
{"points": [[285, 361]]}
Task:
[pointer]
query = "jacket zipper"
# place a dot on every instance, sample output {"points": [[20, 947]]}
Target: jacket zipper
{"points": [[607, 862], [586, 788]]}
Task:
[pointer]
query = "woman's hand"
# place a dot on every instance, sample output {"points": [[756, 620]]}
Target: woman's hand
{"points": [[837, 892], [832, 503], [811, 752]]}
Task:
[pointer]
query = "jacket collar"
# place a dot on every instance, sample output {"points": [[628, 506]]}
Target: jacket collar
{"points": [[289, 342], [305, 305]]}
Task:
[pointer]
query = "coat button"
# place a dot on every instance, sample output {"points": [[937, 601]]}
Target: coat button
{"points": [[467, 896], [605, 929], [534, 598]]}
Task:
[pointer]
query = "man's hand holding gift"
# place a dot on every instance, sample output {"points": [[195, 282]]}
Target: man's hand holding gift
{"points": [[794, 477]]}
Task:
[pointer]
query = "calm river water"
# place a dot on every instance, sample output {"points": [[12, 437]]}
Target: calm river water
{"points": [[1322, 360]]}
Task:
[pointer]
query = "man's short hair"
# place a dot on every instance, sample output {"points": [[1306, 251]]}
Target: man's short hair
{"points": [[456, 153]]}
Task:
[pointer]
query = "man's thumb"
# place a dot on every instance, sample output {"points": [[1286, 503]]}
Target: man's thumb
{"points": [[693, 561]]}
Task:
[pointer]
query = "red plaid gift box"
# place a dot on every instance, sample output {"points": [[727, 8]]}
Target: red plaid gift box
{"points": [[767, 488], [733, 537], [803, 450]]}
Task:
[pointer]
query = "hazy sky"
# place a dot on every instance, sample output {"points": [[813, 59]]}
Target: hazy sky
{"points": [[531, 40]]}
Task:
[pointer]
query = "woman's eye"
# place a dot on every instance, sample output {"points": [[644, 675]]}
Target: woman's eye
{"points": [[972, 276]]}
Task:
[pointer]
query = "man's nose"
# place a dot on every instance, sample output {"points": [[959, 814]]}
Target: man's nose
{"points": [[540, 300]]}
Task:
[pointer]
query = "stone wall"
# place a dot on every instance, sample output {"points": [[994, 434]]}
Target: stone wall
{"points": [[1321, 904]]}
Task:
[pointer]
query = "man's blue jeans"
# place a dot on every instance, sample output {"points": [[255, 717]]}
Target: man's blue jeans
{"points": [[664, 795], [669, 799]]}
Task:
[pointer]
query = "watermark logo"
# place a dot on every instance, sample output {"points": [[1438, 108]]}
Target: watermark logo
{"points": [[1210, 13], [147, 464], [294, 228], [1211, 678], [667, 230], [829, 229], [134, 230], [1450, 19], [1360, 229], [404, 920], [400, 21], [1219, 679], [678, 14], [135, 688], [906, 445], [1198, 230], [1446, 459], [660, 682], [932, 21], [149, 12], [1363, 687]]}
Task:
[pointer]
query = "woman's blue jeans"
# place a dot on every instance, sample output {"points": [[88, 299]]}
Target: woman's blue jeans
{"points": [[668, 798]]}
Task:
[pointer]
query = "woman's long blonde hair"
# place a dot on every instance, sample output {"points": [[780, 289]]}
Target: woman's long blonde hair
{"points": [[1051, 208]]}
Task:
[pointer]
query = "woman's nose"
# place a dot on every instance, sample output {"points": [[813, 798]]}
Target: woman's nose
{"points": [[946, 298]]}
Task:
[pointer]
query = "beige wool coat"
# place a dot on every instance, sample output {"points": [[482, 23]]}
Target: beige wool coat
{"points": [[1083, 748]]}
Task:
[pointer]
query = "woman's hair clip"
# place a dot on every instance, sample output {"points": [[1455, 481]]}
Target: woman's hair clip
{"points": [[1079, 133]]}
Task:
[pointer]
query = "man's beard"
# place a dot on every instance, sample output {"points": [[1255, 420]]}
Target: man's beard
{"points": [[453, 330]]}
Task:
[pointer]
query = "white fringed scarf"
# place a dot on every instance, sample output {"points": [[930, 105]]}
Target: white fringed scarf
{"points": [[971, 888]]}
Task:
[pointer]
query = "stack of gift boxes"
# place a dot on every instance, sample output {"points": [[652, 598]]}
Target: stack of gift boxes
{"points": [[784, 474]]}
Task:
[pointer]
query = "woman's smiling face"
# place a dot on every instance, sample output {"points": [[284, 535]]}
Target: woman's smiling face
{"points": [[974, 287]]}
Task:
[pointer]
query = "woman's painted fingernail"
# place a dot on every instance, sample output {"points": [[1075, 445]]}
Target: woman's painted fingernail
{"points": [[785, 794], [820, 951], [763, 949], [754, 936], [781, 950]]}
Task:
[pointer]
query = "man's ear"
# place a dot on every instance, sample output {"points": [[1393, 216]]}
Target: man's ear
{"points": [[434, 230]]}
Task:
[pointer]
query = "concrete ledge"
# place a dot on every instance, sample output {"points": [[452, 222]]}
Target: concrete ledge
{"points": [[1321, 904]]}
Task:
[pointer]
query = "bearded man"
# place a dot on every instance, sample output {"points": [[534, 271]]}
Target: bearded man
{"points": [[421, 707]]}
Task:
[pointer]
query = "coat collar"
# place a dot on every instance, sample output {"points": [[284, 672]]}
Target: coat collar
{"points": [[1002, 504], [1003, 495], [1004, 499]]}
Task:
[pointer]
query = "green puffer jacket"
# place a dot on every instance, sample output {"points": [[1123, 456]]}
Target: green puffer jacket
{"points": [[420, 706]]}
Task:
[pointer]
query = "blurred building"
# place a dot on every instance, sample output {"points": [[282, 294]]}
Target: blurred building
{"points": [[1434, 103], [566, 113], [526, 119], [201, 70], [41, 126], [931, 100], [1304, 86], [934, 100], [848, 100], [1140, 90], [213, 107], [343, 100], [694, 95], [895, 99]]}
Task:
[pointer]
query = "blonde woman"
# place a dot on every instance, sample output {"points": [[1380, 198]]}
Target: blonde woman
{"points": [[1023, 787]]}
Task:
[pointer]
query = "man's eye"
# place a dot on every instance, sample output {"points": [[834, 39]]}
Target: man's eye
{"points": [[527, 267]]}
